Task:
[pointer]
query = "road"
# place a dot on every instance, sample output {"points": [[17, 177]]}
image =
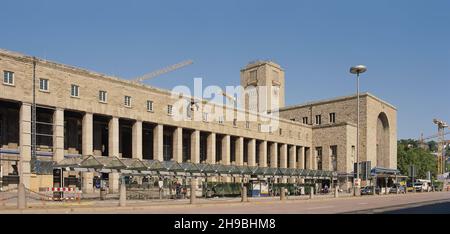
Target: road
{"points": [[409, 203]]}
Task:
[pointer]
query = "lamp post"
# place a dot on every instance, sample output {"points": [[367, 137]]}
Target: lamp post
{"points": [[357, 70]]}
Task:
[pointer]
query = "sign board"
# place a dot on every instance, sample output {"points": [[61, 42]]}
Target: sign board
{"points": [[264, 189]]}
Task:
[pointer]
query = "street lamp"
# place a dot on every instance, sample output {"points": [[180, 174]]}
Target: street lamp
{"points": [[357, 70]]}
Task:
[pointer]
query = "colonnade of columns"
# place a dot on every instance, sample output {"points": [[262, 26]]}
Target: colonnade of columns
{"points": [[256, 150]]}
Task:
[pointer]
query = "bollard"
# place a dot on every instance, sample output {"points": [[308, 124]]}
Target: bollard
{"points": [[311, 193], [123, 195], [336, 192], [282, 194], [193, 197], [21, 197], [244, 194]]}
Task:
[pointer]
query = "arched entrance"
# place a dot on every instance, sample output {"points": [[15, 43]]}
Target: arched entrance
{"points": [[383, 140]]}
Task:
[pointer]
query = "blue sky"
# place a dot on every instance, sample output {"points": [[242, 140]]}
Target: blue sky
{"points": [[405, 45]]}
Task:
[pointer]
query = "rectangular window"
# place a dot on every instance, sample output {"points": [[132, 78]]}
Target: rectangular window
{"points": [[281, 131], [220, 119], [127, 101], [74, 90], [305, 120], [43, 84], [8, 77], [247, 124], [234, 122], [332, 117], [102, 96], [205, 117], [169, 109], [149, 105], [333, 150], [318, 119]]}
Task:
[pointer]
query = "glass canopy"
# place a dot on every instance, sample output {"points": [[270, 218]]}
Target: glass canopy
{"points": [[138, 166]]}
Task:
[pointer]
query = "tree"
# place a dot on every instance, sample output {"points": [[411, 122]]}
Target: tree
{"points": [[409, 153], [432, 145]]}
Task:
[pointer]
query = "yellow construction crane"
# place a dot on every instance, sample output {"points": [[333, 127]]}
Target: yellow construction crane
{"points": [[441, 142], [167, 69]]}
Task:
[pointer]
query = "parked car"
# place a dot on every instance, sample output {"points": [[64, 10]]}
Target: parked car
{"points": [[368, 190], [397, 188]]}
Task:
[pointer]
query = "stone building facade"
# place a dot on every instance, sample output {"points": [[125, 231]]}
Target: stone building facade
{"points": [[81, 113]]}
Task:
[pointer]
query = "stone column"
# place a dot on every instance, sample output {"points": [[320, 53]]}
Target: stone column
{"points": [[301, 157], [308, 158], [88, 182], [211, 148], [114, 182], [137, 140], [251, 152], [239, 151], [178, 144], [25, 144], [226, 150], [158, 139], [283, 156], [274, 155], [195, 146], [262, 154], [292, 160], [292, 156], [113, 137], [283, 159], [87, 149], [58, 135], [87, 135]]}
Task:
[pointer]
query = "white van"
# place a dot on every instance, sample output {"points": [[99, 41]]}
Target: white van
{"points": [[422, 185]]}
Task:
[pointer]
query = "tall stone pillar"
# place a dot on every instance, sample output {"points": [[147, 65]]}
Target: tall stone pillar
{"points": [[87, 149], [58, 135], [88, 182], [113, 137], [283, 159], [158, 142], [239, 151], [226, 153], [274, 155], [262, 154], [25, 144], [251, 152], [226, 150], [308, 157], [137, 140], [283, 156], [87, 135], [292, 156], [211, 148], [292, 160], [195, 146], [178, 144], [113, 141], [114, 178], [301, 157]]}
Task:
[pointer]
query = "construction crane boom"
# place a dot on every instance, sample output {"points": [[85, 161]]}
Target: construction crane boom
{"points": [[163, 70]]}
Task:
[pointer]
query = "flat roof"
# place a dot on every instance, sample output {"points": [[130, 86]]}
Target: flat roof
{"points": [[336, 99]]}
